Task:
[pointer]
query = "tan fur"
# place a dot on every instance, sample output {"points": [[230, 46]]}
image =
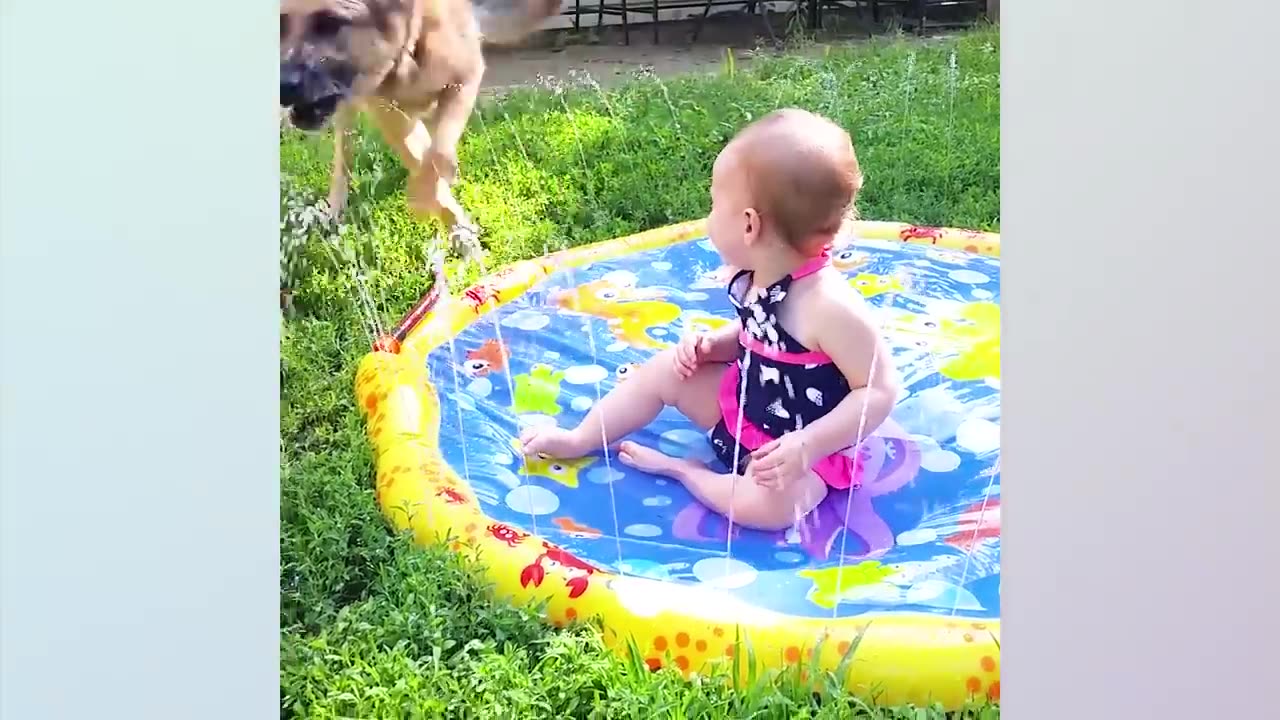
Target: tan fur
{"points": [[418, 66]]}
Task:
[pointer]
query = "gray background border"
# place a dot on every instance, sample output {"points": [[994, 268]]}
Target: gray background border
{"points": [[1139, 161], [138, 442]]}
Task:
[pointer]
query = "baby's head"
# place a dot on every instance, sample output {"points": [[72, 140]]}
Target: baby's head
{"points": [[785, 183]]}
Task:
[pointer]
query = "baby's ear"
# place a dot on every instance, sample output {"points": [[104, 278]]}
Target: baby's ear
{"points": [[751, 225]]}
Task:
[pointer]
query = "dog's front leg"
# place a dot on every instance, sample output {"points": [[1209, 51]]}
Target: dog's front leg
{"points": [[409, 138], [428, 194], [448, 121], [343, 154]]}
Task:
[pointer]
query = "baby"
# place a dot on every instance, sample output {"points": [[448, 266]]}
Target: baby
{"points": [[789, 392]]}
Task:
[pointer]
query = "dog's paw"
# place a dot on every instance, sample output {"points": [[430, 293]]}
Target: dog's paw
{"points": [[465, 242], [336, 203]]}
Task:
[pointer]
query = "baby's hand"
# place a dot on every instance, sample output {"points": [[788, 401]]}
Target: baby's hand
{"points": [[690, 351], [781, 462]]}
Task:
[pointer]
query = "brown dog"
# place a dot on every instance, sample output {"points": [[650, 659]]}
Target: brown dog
{"points": [[414, 66]]}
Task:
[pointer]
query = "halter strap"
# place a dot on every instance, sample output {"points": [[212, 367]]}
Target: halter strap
{"points": [[813, 265]]}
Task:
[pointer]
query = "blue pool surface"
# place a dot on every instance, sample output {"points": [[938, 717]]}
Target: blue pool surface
{"points": [[921, 535]]}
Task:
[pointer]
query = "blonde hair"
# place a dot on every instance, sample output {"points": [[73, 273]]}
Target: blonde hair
{"points": [[801, 174]]}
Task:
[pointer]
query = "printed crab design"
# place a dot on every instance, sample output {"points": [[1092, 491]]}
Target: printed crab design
{"points": [[451, 496], [507, 534], [920, 233], [576, 573], [480, 295]]}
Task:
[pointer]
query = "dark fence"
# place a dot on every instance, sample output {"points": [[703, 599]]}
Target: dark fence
{"points": [[919, 15]]}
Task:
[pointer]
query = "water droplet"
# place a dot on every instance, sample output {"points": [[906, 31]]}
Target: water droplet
{"points": [[526, 320], [978, 436], [686, 443], [644, 568], [925, 443], [643, 530], [969, 277], [938, 593], [918, 536], [480, 387], [624, 278], [585, 374], [532, 500], [726, 573], [939, 461], [603, 475], [506, 477]]}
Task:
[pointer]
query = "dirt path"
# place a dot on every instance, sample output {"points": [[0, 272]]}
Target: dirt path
{"points": [[608, 60], [606, 63]]}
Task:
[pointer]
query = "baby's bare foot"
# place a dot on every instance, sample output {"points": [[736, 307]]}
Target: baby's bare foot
{"points": [[646, 459], [553, 442]]}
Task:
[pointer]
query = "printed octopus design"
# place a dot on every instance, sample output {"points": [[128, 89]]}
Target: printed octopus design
{"points": [[890, 461]]}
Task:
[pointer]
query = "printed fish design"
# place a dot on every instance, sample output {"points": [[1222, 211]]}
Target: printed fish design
{"points": [[573, 527], [630, 312], [489, 357]]}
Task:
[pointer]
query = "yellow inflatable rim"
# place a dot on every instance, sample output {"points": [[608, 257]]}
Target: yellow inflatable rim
{"points": [[893, 658]]}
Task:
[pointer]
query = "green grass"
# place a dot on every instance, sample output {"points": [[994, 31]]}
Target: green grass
{"points": [[373, 627]]}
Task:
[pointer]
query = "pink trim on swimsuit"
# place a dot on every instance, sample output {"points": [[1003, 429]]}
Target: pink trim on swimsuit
{"points": [[757, 347], [841, 470], [814, 264]]}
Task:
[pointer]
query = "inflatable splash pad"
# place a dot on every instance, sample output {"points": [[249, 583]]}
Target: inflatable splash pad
{"points": [[896, 586]]}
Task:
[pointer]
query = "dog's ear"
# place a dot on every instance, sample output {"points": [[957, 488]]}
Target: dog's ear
{"points": [[377, 41]]}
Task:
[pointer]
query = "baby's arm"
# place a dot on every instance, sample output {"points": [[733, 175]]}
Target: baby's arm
{"points": [[849, 335], [722, 343]]}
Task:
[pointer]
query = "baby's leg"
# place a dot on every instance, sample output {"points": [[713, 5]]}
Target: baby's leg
{"points": [[633, 404], [752, 505]]}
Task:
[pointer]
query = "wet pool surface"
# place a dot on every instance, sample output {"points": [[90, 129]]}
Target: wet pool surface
{"points": [[921, 535]]}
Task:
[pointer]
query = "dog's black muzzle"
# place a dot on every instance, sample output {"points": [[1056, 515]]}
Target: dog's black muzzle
{"points": [[312, 92]]}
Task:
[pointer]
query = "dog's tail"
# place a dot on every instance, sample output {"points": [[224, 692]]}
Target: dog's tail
{"points": [[504, 22]]}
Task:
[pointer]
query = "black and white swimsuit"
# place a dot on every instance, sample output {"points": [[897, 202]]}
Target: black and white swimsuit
{"points": [[777, 385]]}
